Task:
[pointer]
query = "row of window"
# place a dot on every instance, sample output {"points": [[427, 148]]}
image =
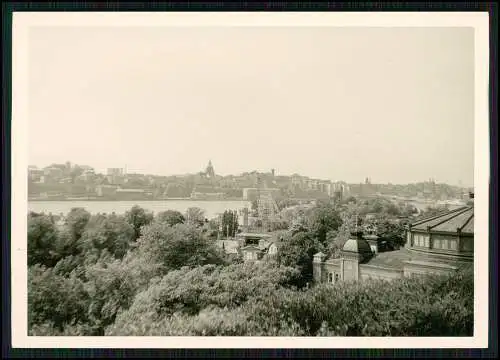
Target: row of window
{"points": [[421, 240], [332, 276], [442, 242]]}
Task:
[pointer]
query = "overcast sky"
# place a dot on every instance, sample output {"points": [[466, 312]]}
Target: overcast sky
{"points": [[392, 104]]}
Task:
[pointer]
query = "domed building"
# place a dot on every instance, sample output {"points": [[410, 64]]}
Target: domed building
{"points": [[438, 244], [355, 252]]}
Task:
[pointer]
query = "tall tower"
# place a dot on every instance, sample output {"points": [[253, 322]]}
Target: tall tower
{"points": [[210, 170], [244, 212], [266, 206]]}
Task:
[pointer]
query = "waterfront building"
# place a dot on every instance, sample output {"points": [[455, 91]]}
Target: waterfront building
{"points": [[35, 174], [207, 193], [106, 190], [132, 194], [251, 194], [53, 173], [115, 171]]}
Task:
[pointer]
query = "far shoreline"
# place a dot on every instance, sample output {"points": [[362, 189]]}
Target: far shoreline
{"points": [[131, 200]]}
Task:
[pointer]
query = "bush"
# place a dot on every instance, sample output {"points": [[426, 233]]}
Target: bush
{"points": [[427, 306], [60, 300], [189, 291], [42, 240], [176, 246], [176, 282]]}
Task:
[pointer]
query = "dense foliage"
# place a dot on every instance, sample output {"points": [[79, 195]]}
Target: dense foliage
{"points": [[139, 274], [427, 306], [229, 223]]}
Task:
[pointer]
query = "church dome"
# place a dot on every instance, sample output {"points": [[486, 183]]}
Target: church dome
{"points": [[210, 169]]}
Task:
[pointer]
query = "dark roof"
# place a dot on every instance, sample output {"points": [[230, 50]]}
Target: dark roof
{"points": [[393, 259], [461, 219], [251, 247], [396, 259], [357, 245], [254, 235]]}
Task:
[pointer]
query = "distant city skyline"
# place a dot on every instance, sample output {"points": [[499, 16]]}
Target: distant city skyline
{"points": [[392, 104], [131, 171]]}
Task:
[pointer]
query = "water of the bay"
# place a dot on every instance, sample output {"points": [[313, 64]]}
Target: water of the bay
{"points": [[211, 208]]}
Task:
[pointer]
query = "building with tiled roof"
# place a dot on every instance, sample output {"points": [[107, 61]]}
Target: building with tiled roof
{"points": [[449, 234], [438, 244], [254, 246]]}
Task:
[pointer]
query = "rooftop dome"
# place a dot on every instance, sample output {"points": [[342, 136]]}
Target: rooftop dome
{"points": [[356, 244], [454, 221]]}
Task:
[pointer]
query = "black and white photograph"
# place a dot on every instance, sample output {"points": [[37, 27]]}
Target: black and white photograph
{"points": [[250, 178]]}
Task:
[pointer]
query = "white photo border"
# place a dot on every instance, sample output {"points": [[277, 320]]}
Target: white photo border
{"points": [[23, 21]]}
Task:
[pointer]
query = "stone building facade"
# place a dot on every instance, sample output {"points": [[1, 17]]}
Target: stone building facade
{"points": [[438, 244]]}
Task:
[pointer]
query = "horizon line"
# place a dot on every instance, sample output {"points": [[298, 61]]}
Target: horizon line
{"points": [[126, 172]]}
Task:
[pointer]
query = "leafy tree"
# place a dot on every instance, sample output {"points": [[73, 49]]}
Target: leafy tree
{"points": [[212, 228], [297, 251], [433, 211], [405, 307], [286, 203], [324, 218], [246, 300], [54, 298], [170, 217], [276, 225], [229, 223], [111, 232], [209, 322], [42, 240], [76, 220], [407, 210], [349, 200], [71, 264], [177, 246], [392, 233], [299, 225], [176, 282], [70, 236], [296, 213], [110, 289], [191, 291], [138, 217], [195, 216]]}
